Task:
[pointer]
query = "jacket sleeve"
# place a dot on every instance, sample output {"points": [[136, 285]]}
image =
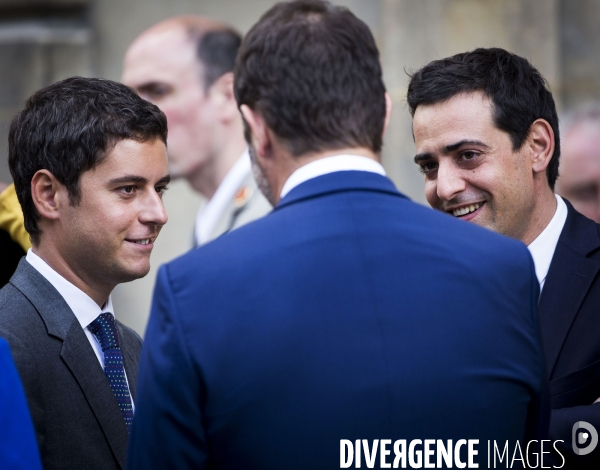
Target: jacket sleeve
{"points": [[561, 428], [18, 446], [168, 427]]}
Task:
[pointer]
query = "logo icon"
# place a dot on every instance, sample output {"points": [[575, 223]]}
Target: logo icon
{"points": [[588, 439]]}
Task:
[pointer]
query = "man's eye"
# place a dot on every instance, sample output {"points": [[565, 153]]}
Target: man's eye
{"points": [[128, 189], [428, 167], [161, 189], [468, 155], [154, 92]]}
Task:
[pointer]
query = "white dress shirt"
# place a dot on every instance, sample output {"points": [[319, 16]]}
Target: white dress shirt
{"points": [[209, 215], [543, 247], [331, 164], [82, 305]]}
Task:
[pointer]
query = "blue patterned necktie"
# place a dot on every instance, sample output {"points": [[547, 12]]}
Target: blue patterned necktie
{"points": [[105, 329]]}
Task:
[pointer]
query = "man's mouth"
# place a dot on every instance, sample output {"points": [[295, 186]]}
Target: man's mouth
{"points": [[141, 241], [462, 211]]}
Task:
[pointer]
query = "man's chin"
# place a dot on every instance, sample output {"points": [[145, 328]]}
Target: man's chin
{"points": [[133, 272]]}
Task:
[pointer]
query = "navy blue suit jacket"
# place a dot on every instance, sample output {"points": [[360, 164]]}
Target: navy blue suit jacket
{"points": [[349, 312], [569, 312]]}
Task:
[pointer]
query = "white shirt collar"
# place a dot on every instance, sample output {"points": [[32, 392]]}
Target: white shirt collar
{"points": [[207, 218], [331, 164], [82, 305], [543, 247]]}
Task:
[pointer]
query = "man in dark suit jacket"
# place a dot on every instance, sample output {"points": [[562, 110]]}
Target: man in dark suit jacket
{"points": [[89, 163], [486, 132], [349, 319]]}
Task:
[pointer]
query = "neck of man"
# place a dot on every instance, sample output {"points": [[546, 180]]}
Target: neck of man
{"points": [[286, 164], [210, 175], [50, 254], [542, 213]]}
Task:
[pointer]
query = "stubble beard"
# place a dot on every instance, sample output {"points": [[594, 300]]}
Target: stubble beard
{"points": [[260, 177]]}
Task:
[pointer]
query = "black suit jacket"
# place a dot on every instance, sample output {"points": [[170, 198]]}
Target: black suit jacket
{"points": [[76, 416], [569, 311]]}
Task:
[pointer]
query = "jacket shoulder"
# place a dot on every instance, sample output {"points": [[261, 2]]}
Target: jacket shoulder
{"points": [[16, 311]]}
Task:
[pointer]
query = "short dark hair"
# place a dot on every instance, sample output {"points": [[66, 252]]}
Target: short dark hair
{"points": [[312, 71], [68, 128], [216, 50], [517, 90]]}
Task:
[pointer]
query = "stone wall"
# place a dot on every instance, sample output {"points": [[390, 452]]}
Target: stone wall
{"points": [[44, 40]]}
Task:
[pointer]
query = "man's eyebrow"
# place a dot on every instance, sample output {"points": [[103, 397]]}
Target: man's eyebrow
{"points": [[164, 180], [128, 179], [138, 179], [453, 147], [420, 157], [148, 86]]}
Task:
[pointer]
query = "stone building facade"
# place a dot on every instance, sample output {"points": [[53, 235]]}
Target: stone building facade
{"points": [[42, 41]]}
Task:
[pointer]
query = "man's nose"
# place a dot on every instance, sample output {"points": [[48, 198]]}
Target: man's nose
{"points": [[450, 181], [153, 210]]}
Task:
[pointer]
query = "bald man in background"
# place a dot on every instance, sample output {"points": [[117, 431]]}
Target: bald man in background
{"points": [[184, 65], [579, 179]]}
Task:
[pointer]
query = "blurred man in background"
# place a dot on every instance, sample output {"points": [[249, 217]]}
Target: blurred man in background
{"points": [[14, 239], [184, 66], [486, 132], [579, 179]]}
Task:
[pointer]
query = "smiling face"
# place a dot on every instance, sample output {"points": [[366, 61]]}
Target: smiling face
{"points": [[470, 168], [108, 236], [162, 67]]}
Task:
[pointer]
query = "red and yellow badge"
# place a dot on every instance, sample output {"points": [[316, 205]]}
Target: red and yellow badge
{"points": [[242, 196]]}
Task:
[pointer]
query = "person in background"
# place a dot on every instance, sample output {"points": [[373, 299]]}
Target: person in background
{"points": [[487, 142], [184, 65], [14, 239], [356, 313], [579, 179], [89, 163]]}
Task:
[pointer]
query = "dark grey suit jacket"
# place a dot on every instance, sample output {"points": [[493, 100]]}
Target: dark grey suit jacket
{"points": [[75, 413]]}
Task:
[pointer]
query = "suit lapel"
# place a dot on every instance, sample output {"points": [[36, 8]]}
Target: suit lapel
{"points": [[76, 353], [83, 364], [569, 278], [235, 207]]}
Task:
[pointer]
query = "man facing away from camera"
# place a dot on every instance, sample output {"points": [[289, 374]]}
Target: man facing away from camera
{"points": [[89, 163], [486, 133], [184, 65], [351, 319]]}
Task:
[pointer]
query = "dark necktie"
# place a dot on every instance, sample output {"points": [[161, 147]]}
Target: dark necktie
{"points": [[105, 329]]}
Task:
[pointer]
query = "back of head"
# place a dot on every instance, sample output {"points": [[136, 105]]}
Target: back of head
{"points": [[68, 128], [312, 71], [517, 90]]}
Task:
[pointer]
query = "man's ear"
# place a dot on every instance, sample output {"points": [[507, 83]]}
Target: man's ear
{"points": [[388, 112], [45, 194], [541, 144], [224, 98], [260, 135]]}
